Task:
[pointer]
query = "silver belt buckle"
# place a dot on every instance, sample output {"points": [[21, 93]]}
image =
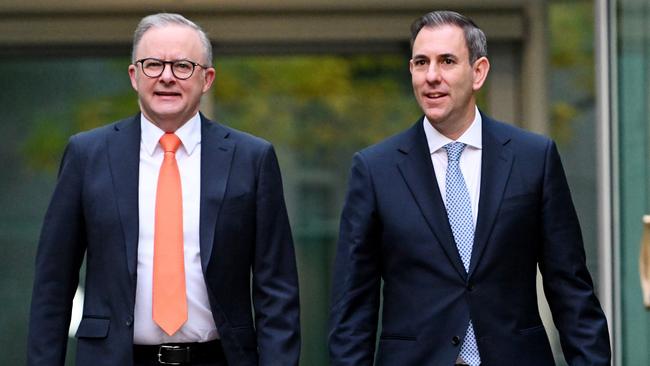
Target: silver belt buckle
{"points": [[163, 346]]}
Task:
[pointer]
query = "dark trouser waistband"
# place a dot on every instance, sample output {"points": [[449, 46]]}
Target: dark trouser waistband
{"points": [[179, 353]]}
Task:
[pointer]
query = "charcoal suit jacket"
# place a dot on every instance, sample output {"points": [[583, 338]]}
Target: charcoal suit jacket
{"points": [[394, 228], [246, 250]]}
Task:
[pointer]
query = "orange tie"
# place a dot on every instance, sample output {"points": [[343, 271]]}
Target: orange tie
{"points": [[169, 298]]}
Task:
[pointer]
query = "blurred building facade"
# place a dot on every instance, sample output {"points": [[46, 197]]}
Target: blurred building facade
{"points": [[321, 79]]}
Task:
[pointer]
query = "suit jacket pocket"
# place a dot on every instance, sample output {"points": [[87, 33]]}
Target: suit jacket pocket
{"points": [[93, 327], [246, 337], [397, 337], [532, 330]]}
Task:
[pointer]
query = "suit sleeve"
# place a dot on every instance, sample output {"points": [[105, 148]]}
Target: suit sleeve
{"points": [[275, 280], [567, 284], [356, 282], [60, 253]]}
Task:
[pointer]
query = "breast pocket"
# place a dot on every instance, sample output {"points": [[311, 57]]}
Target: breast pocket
{"points": [[520, 202]]}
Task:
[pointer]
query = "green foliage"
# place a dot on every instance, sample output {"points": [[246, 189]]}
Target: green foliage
{"points": [[100, 111], [562, 113], [46, 139], [320, 107], [572, 39], [42, 148], [572, 65]]}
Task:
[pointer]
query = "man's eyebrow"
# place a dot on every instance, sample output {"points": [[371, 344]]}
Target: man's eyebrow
{"points": [[448, 55]]}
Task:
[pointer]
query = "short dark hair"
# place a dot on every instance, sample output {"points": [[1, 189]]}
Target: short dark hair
{"points": [[474, 36]]}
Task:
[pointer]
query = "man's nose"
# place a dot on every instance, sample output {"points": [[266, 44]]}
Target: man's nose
{"points": [[433, 73], [167, 74]]}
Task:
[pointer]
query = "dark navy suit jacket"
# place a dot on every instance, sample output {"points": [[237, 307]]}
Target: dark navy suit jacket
{"points": [[245, 241], [394, 228]]}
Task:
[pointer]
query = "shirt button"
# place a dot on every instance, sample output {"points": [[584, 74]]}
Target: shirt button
{"points": [[455, 340]]}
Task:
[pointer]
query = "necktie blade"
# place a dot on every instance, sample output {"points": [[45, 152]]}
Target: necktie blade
{"points": [[458, 203], [459, 213], [169, 293]]}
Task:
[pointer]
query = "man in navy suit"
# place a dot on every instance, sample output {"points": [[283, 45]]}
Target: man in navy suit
{"points": [[239, 265], [455, 215]]}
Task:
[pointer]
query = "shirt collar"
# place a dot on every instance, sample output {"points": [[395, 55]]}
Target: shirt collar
{"points": [[189, 134], [471, 137]]}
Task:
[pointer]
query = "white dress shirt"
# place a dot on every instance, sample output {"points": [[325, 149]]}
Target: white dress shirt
{"points": [[470, 159], [470, 162], [200, 326]]}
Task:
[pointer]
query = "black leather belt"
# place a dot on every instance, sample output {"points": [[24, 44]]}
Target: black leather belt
{"points": [[180, 353]]}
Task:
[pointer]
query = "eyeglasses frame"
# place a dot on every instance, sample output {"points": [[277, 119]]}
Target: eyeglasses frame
{"points": [[171, 63]]}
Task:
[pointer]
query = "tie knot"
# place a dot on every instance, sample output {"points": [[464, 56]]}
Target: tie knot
{"points": [[454, 149], [170, 142]]}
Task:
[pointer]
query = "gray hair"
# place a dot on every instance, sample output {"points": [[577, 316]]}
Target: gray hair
{"points": [[165, 19], [474, 36]]}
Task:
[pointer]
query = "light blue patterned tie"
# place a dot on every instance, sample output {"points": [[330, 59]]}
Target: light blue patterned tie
{"points": [[459, 213]]}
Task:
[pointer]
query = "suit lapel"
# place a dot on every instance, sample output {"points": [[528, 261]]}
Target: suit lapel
{"points": [[216, 157], [496, 163], [417, 171], [124, 159]]}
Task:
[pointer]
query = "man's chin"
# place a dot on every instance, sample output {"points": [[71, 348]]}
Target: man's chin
{"points": [[167, 113], [164, 118], [435, 117]]}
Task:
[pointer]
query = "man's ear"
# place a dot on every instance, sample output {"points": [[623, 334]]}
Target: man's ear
{"points": [[480, 71], [132, 71], [208, 78]]}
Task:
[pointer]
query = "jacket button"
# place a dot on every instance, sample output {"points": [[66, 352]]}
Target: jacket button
{"points": [[129, 321], [455, 340], [470, 287]]}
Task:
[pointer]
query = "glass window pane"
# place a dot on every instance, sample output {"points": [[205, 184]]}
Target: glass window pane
{"points": [[633, 76]]}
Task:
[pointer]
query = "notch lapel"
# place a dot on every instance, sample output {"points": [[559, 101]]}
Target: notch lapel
{"points": [[216, 158], [417, 171], [496, 164], [124, 160]]}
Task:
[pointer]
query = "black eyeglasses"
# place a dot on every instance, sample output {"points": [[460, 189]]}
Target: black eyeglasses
{"points": [[182, 69]]}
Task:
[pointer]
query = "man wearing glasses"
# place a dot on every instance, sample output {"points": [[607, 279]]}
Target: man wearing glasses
{"points": [[189, 255]]}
